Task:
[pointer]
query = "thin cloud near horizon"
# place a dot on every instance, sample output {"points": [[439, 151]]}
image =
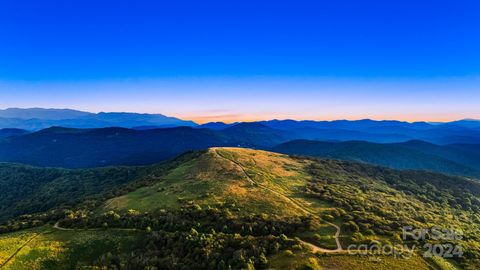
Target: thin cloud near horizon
{"points": [[253, 99]]}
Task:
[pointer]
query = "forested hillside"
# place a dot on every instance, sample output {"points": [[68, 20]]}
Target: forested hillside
{"points": [[26, 190], [241, 209], [450, 159]]}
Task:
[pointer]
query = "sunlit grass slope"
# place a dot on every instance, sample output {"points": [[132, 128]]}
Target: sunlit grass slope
{"points": [[256, 180], [48, 248]]}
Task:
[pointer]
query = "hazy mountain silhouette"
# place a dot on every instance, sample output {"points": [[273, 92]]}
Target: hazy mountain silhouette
{"points": [[409, 155], [37, 118], [216, 125], [465, 131], [40, 113]]}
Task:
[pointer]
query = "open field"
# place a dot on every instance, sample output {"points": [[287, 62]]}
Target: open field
{"points": [[48, 248]]}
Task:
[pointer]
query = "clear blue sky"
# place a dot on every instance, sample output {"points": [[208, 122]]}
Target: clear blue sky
{"points": [[128, 55]]}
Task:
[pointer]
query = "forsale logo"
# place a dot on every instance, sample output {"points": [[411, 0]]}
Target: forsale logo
{"points": [[441, 243]]}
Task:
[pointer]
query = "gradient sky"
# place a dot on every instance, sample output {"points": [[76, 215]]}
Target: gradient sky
{"points": [[244, 60]]}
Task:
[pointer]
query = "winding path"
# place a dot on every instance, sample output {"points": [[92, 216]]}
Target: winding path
{"points": [[315, 248], [57, 226], [294, 202]]}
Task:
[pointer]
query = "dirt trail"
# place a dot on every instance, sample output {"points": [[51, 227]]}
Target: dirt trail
{"points": [[298, 205], [18, 250], [57, 226]]}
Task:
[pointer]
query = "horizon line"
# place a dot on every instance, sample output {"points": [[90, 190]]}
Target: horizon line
{"points": [[195, 119]]}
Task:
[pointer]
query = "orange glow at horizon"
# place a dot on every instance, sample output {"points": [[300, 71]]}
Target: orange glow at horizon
{"points": [[253, 99], [232, 118]]}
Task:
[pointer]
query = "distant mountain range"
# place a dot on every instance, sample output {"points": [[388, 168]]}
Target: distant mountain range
{"points": [[38, 118], [451, 159], [464, 131], [381, 131], [79, 148], [84, 140], [87, 148]]}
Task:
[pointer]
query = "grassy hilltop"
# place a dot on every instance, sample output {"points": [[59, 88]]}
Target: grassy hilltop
{"points": [[243, 209]]}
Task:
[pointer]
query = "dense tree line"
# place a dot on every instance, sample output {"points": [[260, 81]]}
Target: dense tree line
{"points": [[195, 250], [195, 238], [220, 219]]}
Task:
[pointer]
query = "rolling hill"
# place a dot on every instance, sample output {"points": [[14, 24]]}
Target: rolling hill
{"points": [[235, 208], [89, 148], [456, 160], [81, 148], [11, 132], [86, 148], [27, 190]]}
